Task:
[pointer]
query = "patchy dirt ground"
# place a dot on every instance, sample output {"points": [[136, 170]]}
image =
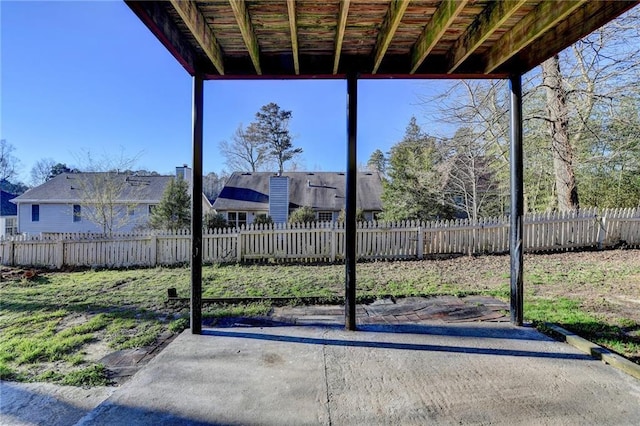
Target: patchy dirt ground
{"points": [[605, 283]]}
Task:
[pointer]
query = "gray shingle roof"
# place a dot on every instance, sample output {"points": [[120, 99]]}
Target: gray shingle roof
{"points": [[74, 187], [319, 190]]}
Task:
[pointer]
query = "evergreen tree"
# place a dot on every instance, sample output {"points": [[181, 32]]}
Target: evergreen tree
{"points": [[174, 210], [377, 162], [414, 186]]}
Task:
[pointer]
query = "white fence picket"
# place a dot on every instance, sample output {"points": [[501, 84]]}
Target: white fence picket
{"points": [[325, 241]]}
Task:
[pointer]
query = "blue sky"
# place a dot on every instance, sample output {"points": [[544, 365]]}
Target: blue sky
{"points": [[83, 77]]}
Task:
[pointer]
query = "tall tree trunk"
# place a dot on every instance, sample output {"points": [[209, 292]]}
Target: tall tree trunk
{"points": [[566, 188]]}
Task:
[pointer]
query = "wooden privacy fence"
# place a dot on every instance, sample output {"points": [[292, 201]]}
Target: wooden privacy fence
{"points": [[325, 241]]}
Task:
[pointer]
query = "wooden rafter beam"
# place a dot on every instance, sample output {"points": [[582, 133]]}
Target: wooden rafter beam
{"points": [[291, 7], [342, 24], [492, 18], [246, 28], [434, 30], [526, 31], [591, 16], [197, 25], [387, 30]]}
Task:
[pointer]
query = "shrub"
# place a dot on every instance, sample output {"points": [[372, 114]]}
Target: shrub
{"points": [[263, 219], [359, 216], [213, 220], [303, 215]]}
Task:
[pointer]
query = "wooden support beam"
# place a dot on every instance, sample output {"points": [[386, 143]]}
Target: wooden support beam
{"points": [[291, 7], [154, 15], [589, 17], [526, 31], [434, 30], [197, 25], [492, 18], [387, 30], [342, 24], [246, 28]]}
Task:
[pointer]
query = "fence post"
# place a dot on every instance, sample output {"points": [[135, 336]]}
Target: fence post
{"points": [[420, 250], [239, 245], [153, 258], [334, 241], [59, 253], [602, 232], [11, 256]]}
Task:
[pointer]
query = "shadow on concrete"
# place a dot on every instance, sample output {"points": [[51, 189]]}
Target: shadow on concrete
{"points": [[22, 404], [471, 332], [457, 330], [117, 414]]}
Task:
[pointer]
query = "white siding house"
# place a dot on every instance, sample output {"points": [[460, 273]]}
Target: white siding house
{"points": [[46, 217], [79, 202]]}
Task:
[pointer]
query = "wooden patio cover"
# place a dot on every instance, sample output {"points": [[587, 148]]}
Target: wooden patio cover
{"points": [[379, 38], [288, 39]]}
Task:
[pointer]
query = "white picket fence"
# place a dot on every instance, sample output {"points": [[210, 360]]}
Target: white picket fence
{"points": [[325, 242]]}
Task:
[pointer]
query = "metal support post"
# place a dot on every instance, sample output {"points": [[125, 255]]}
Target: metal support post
{"points": [[350, 208], [517, 202], [196, 207]]}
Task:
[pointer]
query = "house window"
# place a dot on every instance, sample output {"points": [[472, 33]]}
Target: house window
{"points": [[35, 213], [237, 219], [77, 212], [11, 226], [325, 216], [131, 211]]}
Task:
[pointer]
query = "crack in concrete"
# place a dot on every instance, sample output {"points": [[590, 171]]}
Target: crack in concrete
{"points": [[326, 377]]}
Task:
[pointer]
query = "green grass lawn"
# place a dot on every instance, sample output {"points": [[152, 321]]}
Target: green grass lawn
{"points": [[48, 324]]}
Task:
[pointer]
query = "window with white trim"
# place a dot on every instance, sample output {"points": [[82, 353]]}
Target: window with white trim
{"points": [[11, 226], [237, 219], [325, 216]]}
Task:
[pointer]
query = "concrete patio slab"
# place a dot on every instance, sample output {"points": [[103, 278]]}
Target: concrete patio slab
{"points": [[460, 373]]}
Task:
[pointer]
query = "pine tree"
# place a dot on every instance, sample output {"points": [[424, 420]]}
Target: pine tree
{"points": [[413, 189], [272, 128], [174, 210]]}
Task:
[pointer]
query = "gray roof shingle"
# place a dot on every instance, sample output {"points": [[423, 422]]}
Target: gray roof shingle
{"points": [[74, 187], [319, 190]]}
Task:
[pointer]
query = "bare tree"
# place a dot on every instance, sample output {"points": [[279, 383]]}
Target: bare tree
{"points": [[107, 192], [41, 171], [588, 88], [558, 123], [573, 108], [8, 162], [212, 184], [470, 185], [246, 151]]}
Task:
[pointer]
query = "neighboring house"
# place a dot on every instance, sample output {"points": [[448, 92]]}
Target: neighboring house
{"points": [[247, 195], [8, 215], [69, 202]]}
